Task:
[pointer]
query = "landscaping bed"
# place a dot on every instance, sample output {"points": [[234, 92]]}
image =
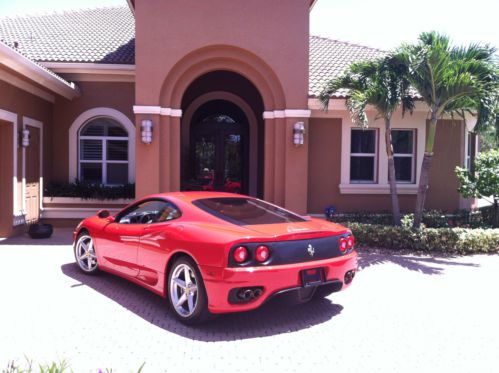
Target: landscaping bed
{"points": [[446, 240], [464, 232]]}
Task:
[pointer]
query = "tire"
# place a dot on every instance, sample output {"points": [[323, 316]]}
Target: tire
{"points": [[85, 256], [187, 299]]}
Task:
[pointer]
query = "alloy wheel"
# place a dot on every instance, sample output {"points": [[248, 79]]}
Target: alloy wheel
{"points": [[85, 254], [184, 290]]}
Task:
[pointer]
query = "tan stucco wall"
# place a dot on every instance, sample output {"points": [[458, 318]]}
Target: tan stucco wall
{"points": [[23, 104], [115, 95], [264, 41], [275, 32], [324, 172], [448, 153]]}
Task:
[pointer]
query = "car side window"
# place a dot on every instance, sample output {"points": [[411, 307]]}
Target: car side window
{"points": [[148, 212]]}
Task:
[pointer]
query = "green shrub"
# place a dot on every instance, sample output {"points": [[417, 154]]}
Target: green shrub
{"points": [[88, 191], [481, 218], [449, 240]]}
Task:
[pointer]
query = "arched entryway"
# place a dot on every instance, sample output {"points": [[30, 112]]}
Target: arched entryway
{"points": [[221, 135]]}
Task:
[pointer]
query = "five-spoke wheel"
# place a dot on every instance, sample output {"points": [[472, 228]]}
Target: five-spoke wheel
{"points": [[85, 254], [186, 292]]}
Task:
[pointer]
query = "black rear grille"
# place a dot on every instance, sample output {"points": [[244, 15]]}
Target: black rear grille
{"points": [[289, 252]]}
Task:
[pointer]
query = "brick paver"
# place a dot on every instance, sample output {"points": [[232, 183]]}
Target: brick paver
{"points": [[402, 314]]}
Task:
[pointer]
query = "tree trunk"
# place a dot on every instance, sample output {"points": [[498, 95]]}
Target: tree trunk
{"points": [[422, 189], [496, 213], [425, 170], [391, 174]]}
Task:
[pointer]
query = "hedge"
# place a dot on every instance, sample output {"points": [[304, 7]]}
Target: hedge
{"points": [[88, 191], [448, 240], [479, 218]]}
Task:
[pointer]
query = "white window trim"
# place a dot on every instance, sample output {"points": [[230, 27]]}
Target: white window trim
{"points": [[37, 124], [370, 155], [10, 117], [416, 121], [406, 155], [82, 119]]}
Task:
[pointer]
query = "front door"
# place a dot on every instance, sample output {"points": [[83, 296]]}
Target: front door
{"points": [[32, 195], [218, 159]]}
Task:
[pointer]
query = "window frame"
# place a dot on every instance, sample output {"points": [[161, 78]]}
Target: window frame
{"points": [[374, 155], [406, 155], [104, 161]]}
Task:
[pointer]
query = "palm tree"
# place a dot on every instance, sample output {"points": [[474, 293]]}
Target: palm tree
{"points": [[451, 81], [381, 84]]}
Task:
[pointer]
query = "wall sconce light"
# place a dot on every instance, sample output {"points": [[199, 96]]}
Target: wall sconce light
{"points": [[299, 133], [25, 138], [146, 131]]}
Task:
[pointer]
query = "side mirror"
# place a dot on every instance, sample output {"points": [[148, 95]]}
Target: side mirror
{"points": [[103, 213]]}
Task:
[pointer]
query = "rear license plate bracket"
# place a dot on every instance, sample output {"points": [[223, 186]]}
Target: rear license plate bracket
{"points": [[312, 277]]}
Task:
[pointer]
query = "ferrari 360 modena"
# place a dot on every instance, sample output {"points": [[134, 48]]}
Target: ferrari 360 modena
{"points": [[211, 252]]}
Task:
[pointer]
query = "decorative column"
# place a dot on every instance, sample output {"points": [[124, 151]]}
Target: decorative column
{"points": [[286, 164], [157, 166]]}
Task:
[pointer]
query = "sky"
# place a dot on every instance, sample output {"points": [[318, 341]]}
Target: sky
{"points": [[382, 24]]}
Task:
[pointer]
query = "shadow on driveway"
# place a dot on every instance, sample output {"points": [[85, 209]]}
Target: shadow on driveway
{"points": [[61, 236], [424, 264], [272, 318]]}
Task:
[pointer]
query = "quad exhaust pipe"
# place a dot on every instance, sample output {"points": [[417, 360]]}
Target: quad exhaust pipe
{"points": [[247, 294]]}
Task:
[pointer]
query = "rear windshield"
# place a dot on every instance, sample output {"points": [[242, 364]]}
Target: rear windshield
{"points": [[246, 211]]}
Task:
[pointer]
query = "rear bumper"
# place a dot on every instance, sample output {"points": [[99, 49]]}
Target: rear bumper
{"points": [[273, 279]]}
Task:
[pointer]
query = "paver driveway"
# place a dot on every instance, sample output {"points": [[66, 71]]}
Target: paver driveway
{"points": [[402, 314]]}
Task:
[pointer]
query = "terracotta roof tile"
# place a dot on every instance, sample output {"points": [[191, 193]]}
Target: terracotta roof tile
{"points": [[48, 71], [330, 58], [99, 35]]}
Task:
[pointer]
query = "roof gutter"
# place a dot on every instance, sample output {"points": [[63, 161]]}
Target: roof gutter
{"points": [[24, 66]]}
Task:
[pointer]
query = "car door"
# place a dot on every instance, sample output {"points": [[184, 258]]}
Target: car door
{"points": [[120, 239], [156, 245]]}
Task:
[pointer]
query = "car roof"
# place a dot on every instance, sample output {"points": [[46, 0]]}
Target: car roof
{"points": [[194, 195]]}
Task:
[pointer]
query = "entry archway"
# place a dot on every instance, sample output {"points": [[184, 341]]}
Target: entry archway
{"points": [[220, 114]]}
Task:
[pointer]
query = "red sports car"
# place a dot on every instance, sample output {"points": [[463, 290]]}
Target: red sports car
{"points": [[210, 252]]}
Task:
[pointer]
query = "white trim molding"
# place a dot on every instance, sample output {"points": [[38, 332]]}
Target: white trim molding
{"points": [[72, 212], [287, 113], [37, 124], [91, 114], [10, 117], [26, 86], [157, 110], [377, 189], [90, 68], [17, 62], [93, 72], [416, 121]]}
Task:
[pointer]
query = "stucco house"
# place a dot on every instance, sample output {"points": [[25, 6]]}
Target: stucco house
{"points": [[171, 96]]}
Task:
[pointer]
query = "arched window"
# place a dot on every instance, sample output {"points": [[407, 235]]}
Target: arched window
{"points": [[103, 152]]}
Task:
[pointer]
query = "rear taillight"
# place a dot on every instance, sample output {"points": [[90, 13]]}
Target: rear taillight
{"points": [[350, 242], [240, 254], [343, 244], [262, 253]]}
